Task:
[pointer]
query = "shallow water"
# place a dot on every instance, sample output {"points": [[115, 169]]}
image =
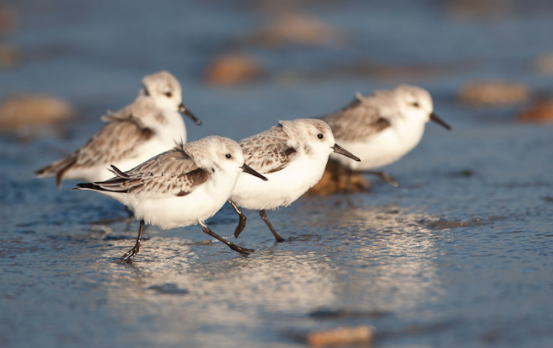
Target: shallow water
{"points": [[461, 255]]}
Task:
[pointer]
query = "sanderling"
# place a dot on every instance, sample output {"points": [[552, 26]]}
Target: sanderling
{"points": [[181, 187], [382, 127], [292, 156], [141, 130]]}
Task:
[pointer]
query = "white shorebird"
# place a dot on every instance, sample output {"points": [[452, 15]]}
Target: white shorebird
{"points": [[292, 156], [139, 131], [382, 127], [181, 187]]}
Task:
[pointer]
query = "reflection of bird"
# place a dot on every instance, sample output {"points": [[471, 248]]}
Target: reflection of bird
{"points": [[293, 156], [180, 187], [382, 127], [141, 130]]}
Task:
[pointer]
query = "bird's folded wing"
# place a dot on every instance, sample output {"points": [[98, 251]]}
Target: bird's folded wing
{"points": [[269, 151], [356, 121], [172, 173], [117, 140]]}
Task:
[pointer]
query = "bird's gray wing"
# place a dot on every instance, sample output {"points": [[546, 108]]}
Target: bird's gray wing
{"points": [[119, 139], [116, 141], [269, 151], [356, 121], [171, 173]]}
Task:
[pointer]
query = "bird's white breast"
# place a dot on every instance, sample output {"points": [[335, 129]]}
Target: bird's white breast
{"points": [[171, 211], [283, 187], [383, 148]]}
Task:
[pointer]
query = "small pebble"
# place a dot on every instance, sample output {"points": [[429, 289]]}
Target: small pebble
{"points": [[475, 9], [10, 56], [540, 111], [233, 68], [294, 28], [8, 20], [33, 110], [493, 93], [342, 336], [544, 64]]}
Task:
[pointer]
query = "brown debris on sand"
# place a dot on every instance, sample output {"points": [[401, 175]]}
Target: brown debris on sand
{"points": [[335, 180]]}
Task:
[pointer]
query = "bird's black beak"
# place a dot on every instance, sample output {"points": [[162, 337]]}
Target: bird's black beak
{"points": [[439, 121], [189, 113], [338, 149], [247, 169]]}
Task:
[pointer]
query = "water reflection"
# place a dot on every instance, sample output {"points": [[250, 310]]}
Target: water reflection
{"points": [[365, 258], [225, 291], [398, 252], [385, 255]]}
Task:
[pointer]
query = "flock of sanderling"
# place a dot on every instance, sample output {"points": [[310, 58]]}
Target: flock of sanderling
{"points": [[140, 157]]}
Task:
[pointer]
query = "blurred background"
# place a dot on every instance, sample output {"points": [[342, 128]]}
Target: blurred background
{"points": [[459, 256], [483, 61]]}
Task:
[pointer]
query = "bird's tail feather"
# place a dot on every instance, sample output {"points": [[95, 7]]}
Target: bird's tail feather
{"points": [[58, 168]]}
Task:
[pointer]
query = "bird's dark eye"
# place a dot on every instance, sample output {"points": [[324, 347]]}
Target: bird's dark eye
{"points": [[168, 94], [415, 104], [228, 155], [320, 136], [146, 93]]}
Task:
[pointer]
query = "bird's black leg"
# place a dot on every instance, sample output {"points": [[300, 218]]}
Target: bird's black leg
{"points": [[234, 247], [384, 176], [241, 223], [264, 217], [129, 212], [129, 255]]}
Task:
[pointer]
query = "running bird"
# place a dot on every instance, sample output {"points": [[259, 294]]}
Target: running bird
{"points": [[293, 156], [139, 131], [382, 127], [181, 187]]}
